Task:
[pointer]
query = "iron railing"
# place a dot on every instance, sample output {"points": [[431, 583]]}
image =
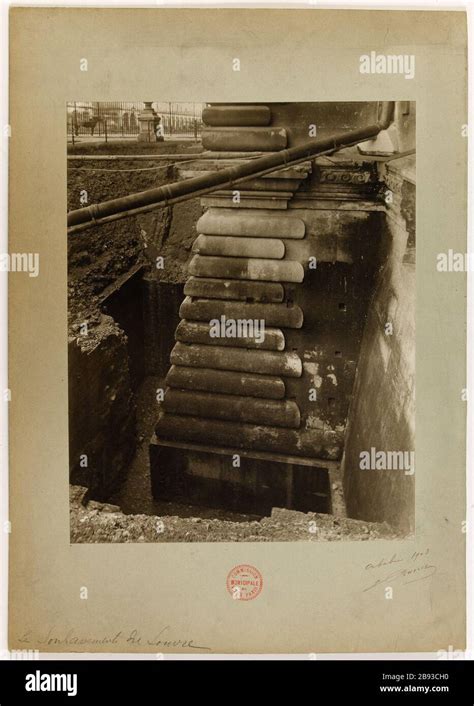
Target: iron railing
{"points": [[103, 121]]}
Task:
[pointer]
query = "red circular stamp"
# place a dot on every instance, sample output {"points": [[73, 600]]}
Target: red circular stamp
{"points": [[244, 582]]}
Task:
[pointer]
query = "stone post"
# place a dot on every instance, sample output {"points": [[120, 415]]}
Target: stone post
{"points": [[147, 121]]}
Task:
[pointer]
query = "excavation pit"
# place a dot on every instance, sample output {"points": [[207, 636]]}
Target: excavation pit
{"points": [[244, 426]]}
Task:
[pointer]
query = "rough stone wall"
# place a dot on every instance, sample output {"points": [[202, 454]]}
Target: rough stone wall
{"points": [[382, 413], [101, 409], [334, 298]]}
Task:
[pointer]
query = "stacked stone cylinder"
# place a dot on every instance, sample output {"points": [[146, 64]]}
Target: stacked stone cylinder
{"points": [[232, 392]]}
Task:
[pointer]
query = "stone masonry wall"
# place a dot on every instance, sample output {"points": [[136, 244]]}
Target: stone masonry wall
{"points": [[382, 414]]}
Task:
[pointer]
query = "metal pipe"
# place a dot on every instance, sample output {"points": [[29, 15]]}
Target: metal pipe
{"points": [[226, 178], [169, 157]]}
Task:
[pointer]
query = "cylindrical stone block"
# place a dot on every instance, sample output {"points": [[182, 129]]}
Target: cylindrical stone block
{"points": [[286, 316], [279, 413], [226, 381], [236, 115], [245, 360], [244, 139], [219, 221], [241, 290], [241, 268], [228, 246], [216, 432], [196, 332]]}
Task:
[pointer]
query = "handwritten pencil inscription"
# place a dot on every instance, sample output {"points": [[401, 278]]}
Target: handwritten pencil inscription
{"points": [[402, 569], [55, 637]]}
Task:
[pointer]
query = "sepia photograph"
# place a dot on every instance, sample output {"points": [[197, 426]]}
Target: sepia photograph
{"points": [[241, 320], [238, 340]]}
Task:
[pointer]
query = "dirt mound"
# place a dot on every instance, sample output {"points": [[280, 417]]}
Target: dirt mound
{"points": [[97, 523]]}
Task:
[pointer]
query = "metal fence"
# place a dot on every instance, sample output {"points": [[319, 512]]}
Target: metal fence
{"points": [[106, 121]]}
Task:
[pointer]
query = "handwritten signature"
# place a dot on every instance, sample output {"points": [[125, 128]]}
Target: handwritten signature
{"points": [[409, 569]]}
